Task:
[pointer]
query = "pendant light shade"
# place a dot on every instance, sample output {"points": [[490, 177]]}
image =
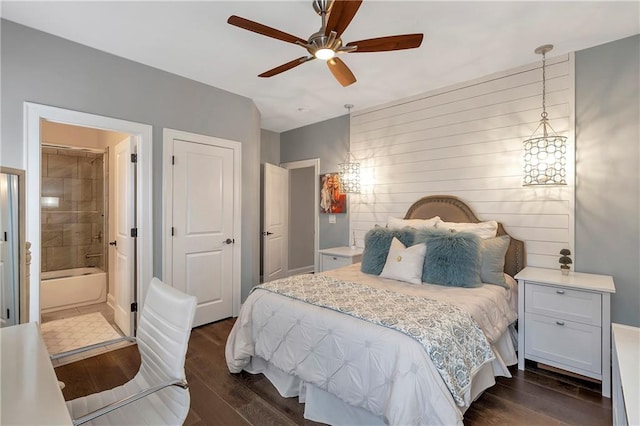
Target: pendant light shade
{"points": [[545, 153]]}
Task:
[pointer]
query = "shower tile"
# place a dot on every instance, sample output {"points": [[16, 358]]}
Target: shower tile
{"points": [[62, 166], [78, 189], [86, 169], [74, 234], [43, 164], [47, 150], [52, 187], [51, 238], [89, 217], [86, 206], [72, 153], [61, 218], [61, 258]]}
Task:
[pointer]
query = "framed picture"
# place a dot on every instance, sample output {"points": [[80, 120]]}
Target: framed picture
{"points": [[332, 199]]}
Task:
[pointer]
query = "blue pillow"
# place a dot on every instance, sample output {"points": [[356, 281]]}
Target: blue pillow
{"points": [[452, 259], [493, 251], [376, 246]]}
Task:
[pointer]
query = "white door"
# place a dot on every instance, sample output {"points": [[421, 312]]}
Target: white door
{"points": [[275, 237], [203, 216], [122, 245], [8, 250]]}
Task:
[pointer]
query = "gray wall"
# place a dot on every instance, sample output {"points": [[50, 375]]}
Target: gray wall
{"points": [[44, 69], [328, 141], [607, 162], [301, 214], [269, 147]]}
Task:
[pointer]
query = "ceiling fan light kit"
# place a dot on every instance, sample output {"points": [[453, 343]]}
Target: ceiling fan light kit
{"points": [[326, 43]]}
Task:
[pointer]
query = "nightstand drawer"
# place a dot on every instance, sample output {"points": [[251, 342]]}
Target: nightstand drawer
{"points": [[332, 262], [562, 303], [563, 343]]}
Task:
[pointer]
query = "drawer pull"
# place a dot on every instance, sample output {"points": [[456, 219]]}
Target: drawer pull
{"points": [[560, 291], [335, 258], [560, 322]]}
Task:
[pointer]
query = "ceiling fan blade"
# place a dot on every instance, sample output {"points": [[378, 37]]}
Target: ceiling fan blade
{"points": [[383, 44], [263, 29], [342, 12], [341, 72], [287, 66]]}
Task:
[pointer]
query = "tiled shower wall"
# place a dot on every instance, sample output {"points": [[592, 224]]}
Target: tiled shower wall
{"points": [[74, 230]]}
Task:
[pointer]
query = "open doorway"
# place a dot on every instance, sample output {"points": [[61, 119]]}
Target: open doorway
{"points": [[303, 216], [71, 157], [79, 281]]}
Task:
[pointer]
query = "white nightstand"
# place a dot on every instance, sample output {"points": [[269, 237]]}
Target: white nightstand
{"points": [[565, 321], [337, 257]]}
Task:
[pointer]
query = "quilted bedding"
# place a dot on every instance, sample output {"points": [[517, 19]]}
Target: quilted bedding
{"points": [[365, 365]]}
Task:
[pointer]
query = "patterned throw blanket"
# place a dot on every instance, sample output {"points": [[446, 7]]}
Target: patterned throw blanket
{"points": [[451, 337]]}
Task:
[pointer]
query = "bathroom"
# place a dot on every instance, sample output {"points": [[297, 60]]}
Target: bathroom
{"points": [[76, 301]]}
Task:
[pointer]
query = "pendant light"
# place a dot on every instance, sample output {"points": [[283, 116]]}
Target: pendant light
{"points": [[545, 152], [349, 170]]}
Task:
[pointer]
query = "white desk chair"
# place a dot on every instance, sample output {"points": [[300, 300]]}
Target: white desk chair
{"points": [[158, 394]]}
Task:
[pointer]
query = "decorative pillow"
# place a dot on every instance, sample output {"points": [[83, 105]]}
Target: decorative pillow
{"points": [[404, 264], [482, 229], [395, 222], [452, 258], [493, 251], [376, 247]]}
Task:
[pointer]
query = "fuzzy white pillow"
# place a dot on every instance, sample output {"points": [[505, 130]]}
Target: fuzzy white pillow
{"points": [[483, 229], [404, 264], [395, 222]]}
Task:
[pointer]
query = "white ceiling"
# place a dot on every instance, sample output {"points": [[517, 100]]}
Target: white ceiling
{"points": [[463, 41]]}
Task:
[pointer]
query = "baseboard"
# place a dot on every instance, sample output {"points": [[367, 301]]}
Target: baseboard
{"points": [[300, 271], [566, 373]]}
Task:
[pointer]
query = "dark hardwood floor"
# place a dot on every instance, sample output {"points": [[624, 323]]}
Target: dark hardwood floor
{"points": [[533, 397]]}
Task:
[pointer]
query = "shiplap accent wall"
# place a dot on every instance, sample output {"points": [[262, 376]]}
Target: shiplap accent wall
{"points": [[466, 141]]}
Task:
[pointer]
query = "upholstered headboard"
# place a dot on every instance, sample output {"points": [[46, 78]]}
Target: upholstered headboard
{"points": [[452, 209]]}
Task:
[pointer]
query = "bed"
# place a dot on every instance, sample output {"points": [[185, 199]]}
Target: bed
{"points": [[330, 339]]}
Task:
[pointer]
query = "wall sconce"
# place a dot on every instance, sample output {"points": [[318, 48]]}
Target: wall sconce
{"points": [[545, 155], [349, 171]]}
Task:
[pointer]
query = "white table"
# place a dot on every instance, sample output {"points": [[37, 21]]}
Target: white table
{"points": [[337, 257], [30, 393], [626, 374], [565, 321]]}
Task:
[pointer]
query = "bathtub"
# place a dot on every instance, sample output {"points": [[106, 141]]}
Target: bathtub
{"points": [[70, 288]]}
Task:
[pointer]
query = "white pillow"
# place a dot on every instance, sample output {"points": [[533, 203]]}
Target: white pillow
{"points": [[395, 222], [404, 264], [482, 229]]}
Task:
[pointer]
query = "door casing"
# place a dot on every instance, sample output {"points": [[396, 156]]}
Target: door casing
{"points": [[32, 114]]}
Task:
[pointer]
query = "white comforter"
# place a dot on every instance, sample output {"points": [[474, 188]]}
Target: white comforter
{"points": [[364, 365]]}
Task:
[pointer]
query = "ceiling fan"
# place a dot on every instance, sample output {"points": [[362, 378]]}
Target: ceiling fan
{"points": [[326, 43]]}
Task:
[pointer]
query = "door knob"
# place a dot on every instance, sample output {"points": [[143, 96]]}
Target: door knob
{"points": [[265, 233], [113, 243], [228, 241]]}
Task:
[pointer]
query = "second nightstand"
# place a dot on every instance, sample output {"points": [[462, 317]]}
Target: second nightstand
{"points": [[336, 257], [565, 321]]}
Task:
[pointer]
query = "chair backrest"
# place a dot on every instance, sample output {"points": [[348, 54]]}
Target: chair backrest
{"points": [[163, 332]]}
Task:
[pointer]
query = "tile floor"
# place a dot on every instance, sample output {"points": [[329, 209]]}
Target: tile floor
{"points": [[107, 313]]}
